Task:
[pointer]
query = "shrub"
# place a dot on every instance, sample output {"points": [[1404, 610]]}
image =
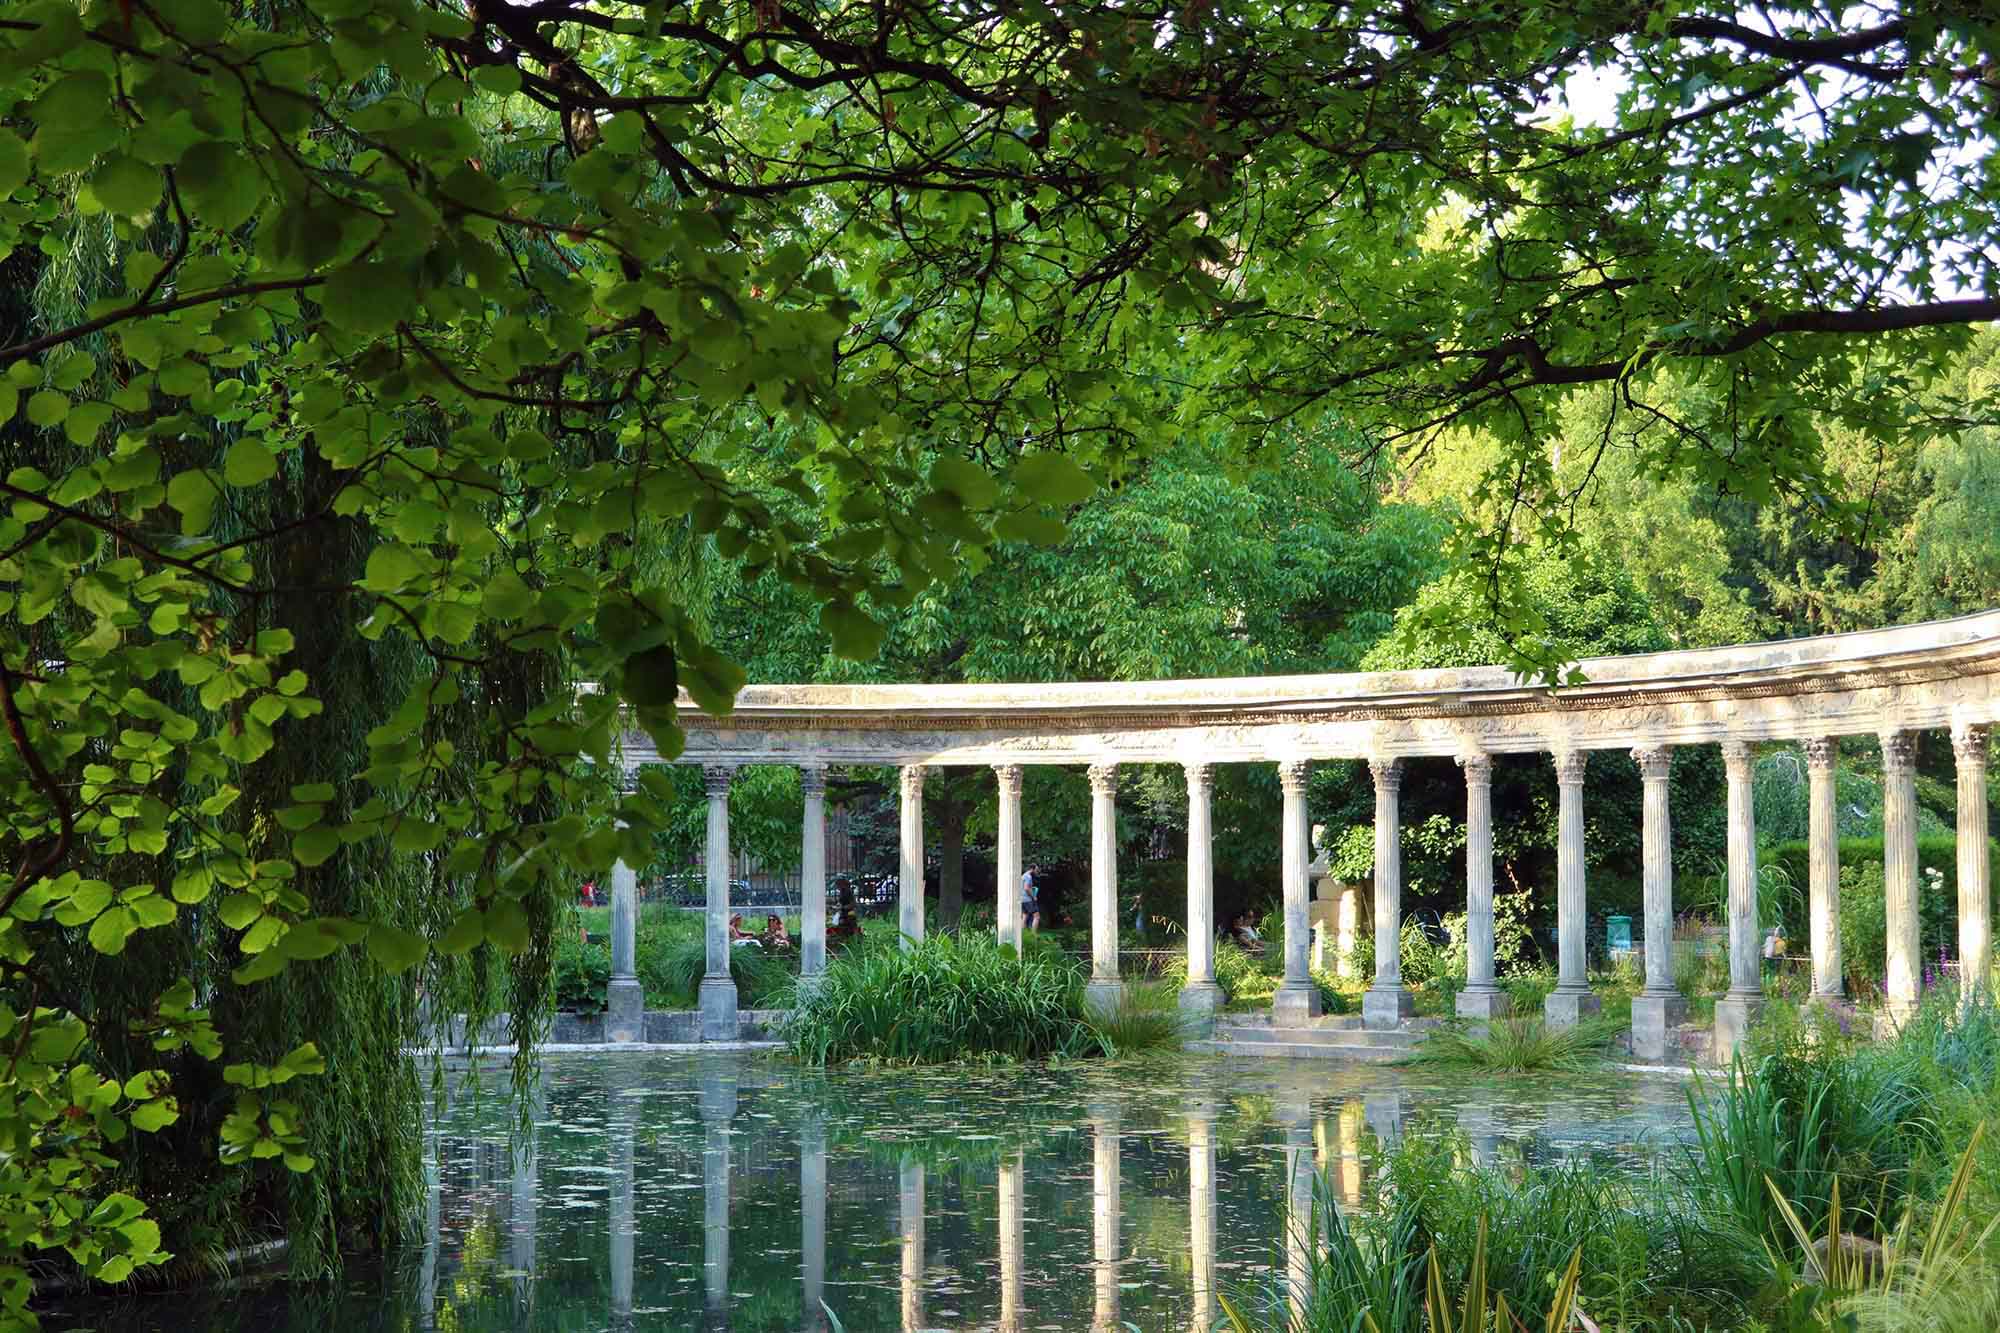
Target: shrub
{"points": [[580, 972], [1148, 1017], [946, 998], [671, 972], [1527, 987], [1234, 970], [1517, 1045]]}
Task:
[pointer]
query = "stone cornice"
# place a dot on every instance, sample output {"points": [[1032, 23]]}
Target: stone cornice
{"points": [[1941, 674]]}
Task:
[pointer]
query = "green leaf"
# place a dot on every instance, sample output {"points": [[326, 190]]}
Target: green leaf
{"points": [[855, 633], [652, 678], [220, 184], [1026, 527], [315, 845], [395, 950], [248, 463], [465, 933], [1053, 479], [127, 186], [507, 926], [155, 1116], [13, 162]]}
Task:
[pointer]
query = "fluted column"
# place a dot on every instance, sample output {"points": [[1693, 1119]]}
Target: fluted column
{"points": [[1008, 853], [1201, 997], [1571, 1002], [1975, 920], [911, 1202], [812, 876], [1346, 929], [1012, 1211], [1201, 1214], [718, 987], [910, 867], [1297, 1000], [1736, 1011], [1482, 998], [718, 1112], [1659, 1008], [812, 1222], [1899, 876], [1104, 991], [1387, 1003], [624, 997], [1104, 1210], [1823, 866]]}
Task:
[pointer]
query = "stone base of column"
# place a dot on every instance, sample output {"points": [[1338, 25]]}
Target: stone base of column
{"points": [[718, 1009], [1735, 1015], [1103, 995], [1384, 1009], [1654, 1017], [1200, 1002], [1295, 1005], [1484, 1005], [807, 984], [624, 1010], [1566, 1008], [1891, 1019]]}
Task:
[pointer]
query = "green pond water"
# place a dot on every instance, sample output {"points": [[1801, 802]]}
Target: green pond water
{"points": [[736, 1191]]}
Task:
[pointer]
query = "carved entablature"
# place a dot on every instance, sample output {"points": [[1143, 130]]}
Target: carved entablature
{"points": [[1940, 675]]}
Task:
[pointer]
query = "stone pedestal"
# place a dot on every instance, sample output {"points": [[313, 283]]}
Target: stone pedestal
{"points": [[1484, 1005], [625, 1009], [1103, 995], [1735, 1015], [1566, 1008], [1386, 1008], [1295, 1005], [718, 1009], [1654, 1017], [1200, 1002]]}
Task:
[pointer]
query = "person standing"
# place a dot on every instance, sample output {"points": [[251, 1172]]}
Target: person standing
{"points": [[1031, 901]]}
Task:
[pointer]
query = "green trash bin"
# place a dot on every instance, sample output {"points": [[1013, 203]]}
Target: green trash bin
{"points": [[1618, 932]]}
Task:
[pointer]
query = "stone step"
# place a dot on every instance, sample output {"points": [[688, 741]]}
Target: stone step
{"points": [[1315, 1036], [1304, 1050]]}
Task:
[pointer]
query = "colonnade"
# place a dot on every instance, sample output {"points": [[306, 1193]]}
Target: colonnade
{"points": [[1656, 1010]]}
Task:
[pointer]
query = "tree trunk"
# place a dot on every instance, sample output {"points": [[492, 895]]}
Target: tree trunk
{"points": [[951, 862]]}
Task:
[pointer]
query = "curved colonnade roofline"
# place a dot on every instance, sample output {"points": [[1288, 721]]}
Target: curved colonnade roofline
{"points": [[1943, 674]]}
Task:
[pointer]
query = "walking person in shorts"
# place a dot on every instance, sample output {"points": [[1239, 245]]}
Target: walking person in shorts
{"points": [[1031, 900]]}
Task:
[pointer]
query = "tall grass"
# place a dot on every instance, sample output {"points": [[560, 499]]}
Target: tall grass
{"points": [[947, 998], [1147, 1017], [1517, 1046]]}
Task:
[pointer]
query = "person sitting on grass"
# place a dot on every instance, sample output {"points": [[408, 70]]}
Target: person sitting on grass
{"points": [[1245, 935], [775, 937], [738, 935]]}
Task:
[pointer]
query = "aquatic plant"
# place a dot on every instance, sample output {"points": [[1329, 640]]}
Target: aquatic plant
{"points": [[1517, 1045], [1147, 1017]]}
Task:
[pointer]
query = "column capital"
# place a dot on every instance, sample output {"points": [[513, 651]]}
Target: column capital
{"points": [[1293, 773], [812, 779], [1009, 777], [1968, 743], [1736, 756], [1569, 767], [913, 780], [717, 777], [1899, 753], [1655, 761], [1821, 751], [1388, 774], [1103, 779], [1200, 776], [1478, 766]]}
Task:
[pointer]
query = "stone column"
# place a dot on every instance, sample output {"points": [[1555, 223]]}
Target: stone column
{"points": [[812, 1222], [1297, 1001], [1346, 930], [1009, 853], [718, 986], [912, 1207], [1104, 990], [812, 877], [1975, 920], [1104, 1209], [1571, 1002], [1201, 1214], [1482, 999], [1823, 866], [910, 868], [1387, 1003], [1201, 997], [1012, 1212], [1300, 1174], [624, 997], [1736, 1011], [718, 1111], [623, 1124], [1657, 1009], [1899, 877]]}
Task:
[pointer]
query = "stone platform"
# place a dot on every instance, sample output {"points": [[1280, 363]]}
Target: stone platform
{"points": [[1332, 1037]]}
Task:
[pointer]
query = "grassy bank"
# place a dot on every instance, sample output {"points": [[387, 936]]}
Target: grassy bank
{"points": [[1812, 1148]]}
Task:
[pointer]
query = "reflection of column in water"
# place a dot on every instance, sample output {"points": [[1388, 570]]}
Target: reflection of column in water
{"points": [[913, 1246], [1481, 1126], [427, 1276], [1104, 1217], [624, 1130], [812, 1220], [1201, 1213], [1298, 1208], [1385, 1118], [1011, 1169], [1352, 1116], [521, 1217], [718, 1109]]}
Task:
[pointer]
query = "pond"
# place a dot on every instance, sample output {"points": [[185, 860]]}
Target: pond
{"points": [[720, 1190]]}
